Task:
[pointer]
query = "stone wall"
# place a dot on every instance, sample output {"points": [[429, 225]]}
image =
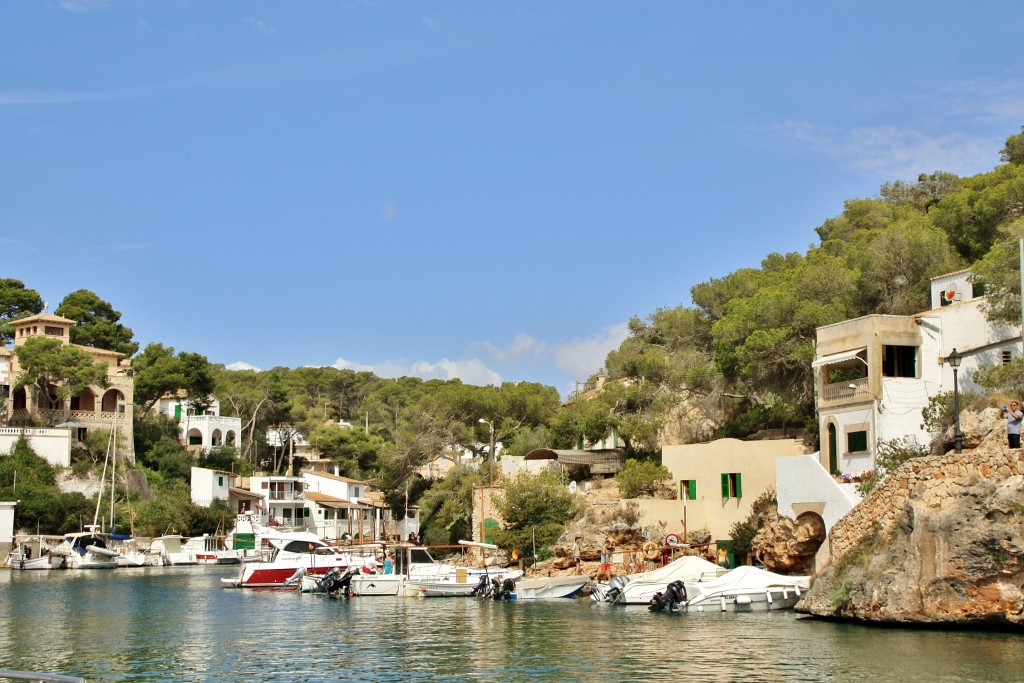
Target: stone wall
{"points": [[886, 503]]}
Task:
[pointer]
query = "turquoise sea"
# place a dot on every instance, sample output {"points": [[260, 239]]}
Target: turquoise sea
{"points": [[179, 624]]}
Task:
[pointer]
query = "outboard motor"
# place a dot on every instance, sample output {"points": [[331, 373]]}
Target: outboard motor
{"points": [[615, 587], [506, 590], [325, 582], [674, 594], [483, 588], [343, 586]]}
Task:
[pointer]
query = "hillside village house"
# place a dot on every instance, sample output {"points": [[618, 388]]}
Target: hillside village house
{"points": [[329, 505], [873, 376], [201, 428], [96, 407]]}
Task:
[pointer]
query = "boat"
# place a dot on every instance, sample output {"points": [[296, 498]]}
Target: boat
{"points": [[293, 552], [540, 587], [377, 584], [38, 676], [211, 550], [427, 578], [36, 553], [172, 550], [638, 589], [88, 550], [136, 552], [744, 589]]}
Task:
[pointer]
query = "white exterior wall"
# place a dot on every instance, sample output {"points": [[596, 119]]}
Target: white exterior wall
{"points": [[209, 485], [52, 445], [7, 524], [333, 487], [804, 486]]}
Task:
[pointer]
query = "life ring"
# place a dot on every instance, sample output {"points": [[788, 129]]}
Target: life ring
{"points": [[651, 550]]}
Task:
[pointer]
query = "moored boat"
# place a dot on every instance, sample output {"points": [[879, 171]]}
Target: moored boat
{"points": [[88, 550], [638, 589], [543, 587], [293, 552], [744, 589], [36, 553], [427, 578]]}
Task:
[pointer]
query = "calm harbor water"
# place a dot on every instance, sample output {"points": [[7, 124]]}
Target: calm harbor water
{"points": [[179, 624]]}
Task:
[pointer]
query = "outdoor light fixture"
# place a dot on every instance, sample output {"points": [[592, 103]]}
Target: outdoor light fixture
{"points": [[954, 359]]}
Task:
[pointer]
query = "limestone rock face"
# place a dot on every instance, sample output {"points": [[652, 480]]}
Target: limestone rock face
{"points": [[956, 556], [788, 547]]}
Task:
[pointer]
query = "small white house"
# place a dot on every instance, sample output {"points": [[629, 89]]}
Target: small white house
{"points": [[205, 427]]}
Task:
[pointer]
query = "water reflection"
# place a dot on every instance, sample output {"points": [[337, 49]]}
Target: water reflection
{"points": [[179, 624]]}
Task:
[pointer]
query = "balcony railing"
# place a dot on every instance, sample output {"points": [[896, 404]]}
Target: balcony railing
{"points": [[848, 390]]}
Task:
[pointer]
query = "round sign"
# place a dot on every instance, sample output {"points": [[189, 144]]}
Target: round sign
{"points": [[672, 540]]}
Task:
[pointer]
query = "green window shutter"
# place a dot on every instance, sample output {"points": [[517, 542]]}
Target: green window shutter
{"points": [[691, 492], [725, 485], [177, 412], [739, 485]]}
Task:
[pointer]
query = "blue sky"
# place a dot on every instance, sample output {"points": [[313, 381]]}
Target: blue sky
{"points": [[479, 190]]}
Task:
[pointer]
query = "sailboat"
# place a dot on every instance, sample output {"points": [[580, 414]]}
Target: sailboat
{"points": [[91, 549]]}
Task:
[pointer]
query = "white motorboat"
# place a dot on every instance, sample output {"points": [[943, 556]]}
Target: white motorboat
{"points": [[547, 587], [211, 550], [294, 554], [172, 550], [744, 589], [377, 584], [427, 578], [638, 589]]}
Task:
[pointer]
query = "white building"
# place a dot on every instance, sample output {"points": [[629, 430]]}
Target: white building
{"points": [[874, 374], [204, 428]]}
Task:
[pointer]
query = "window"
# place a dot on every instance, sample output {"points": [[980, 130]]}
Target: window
{"points": [[53, 331], [1007, 356], [220, 481], [899, 361], [732, 485], [856, 442], [688, 489]]}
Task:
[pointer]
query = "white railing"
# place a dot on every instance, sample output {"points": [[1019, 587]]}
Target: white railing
{"points": [[854, 389]]}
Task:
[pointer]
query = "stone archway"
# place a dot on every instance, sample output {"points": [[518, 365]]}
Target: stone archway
{"points": [[112, 398]]}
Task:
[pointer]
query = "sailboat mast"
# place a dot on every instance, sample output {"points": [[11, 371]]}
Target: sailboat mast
{"points": [[103, 482], [113, 465]]}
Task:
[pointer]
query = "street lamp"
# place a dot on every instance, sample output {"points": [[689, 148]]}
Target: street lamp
{"points": [[490, 453], [954, 359]]}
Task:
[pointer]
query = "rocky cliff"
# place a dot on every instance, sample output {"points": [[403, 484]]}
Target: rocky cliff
{"points": [[955, 555]]}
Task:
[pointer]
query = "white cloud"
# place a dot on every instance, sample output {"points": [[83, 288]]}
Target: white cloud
{"points": [[893, 152], [242, 365], [580, 358], [470, 370]]}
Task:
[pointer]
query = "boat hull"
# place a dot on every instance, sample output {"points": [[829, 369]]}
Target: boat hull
{"points": [[549, 588], [760, 601], [377, 584], [437, 589]]}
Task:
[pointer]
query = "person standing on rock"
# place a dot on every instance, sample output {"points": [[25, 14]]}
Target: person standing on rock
{"points": [[576, 554], [1013, 415]]}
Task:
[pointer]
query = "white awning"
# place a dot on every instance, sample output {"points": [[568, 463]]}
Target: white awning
{"points": [[834, 358]]}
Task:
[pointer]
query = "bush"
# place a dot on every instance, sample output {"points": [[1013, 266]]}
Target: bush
{"points": [[638, 478], [888, 456]]}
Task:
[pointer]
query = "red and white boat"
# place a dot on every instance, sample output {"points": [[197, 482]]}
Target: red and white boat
{"points": [[295, 554]]}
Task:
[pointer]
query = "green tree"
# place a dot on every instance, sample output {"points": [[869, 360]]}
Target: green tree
{"points": [[98, 323], [356, 453], [57, 371], [535, 508], [1013, 152], [158, 371], [999, 273], [641, 478], [16, 301], [447, 507]]}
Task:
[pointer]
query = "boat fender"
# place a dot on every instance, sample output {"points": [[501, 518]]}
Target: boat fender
{"points": [[742, 599], [651, 550]]}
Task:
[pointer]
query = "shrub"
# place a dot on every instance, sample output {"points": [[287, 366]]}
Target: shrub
{"points": [[890, 455], [638, 478]]}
